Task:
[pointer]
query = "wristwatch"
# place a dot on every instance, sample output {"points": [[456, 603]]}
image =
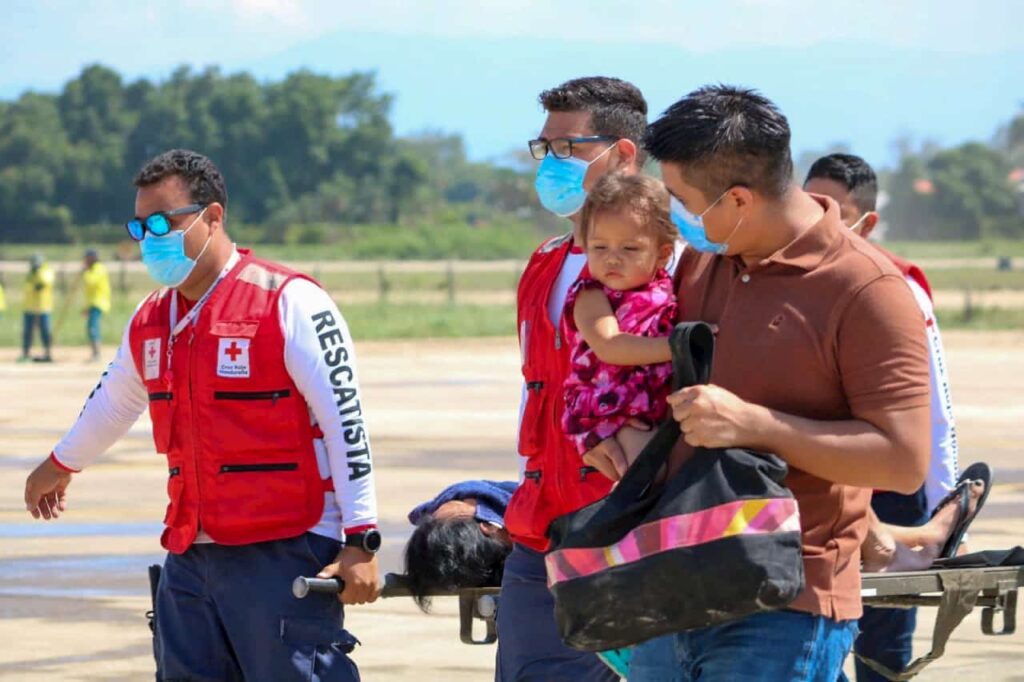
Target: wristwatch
{"points": [[368, 540]]}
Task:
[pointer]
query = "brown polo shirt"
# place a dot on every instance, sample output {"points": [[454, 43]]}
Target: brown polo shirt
{"points": [[825, 329]]}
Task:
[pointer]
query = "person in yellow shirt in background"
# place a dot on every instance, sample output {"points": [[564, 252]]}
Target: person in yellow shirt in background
{"points": [[38, 306], [96, 283]]}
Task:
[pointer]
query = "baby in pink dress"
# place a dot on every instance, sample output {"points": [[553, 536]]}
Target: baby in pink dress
{"points": [[619, 315]]}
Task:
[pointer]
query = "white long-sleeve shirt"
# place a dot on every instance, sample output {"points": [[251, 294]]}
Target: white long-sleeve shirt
{"points": [[319, 357], [943, 467]]}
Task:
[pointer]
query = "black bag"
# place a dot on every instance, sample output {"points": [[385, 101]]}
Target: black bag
{"points": [[719, 541]]}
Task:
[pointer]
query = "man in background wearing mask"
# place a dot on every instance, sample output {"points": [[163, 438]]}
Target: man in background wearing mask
{"points": [[820, 358], [887, 634], [37, 302], [249, 374], [593, 126]]}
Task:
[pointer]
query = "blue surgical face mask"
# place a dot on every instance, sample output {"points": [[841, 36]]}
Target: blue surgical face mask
{"points": [[691, 226], [559, 183], [165, 258]]}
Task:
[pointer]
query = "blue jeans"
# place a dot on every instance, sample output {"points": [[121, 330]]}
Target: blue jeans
{"points": [[228, 613], [92, 325], [529, 647], [780, 646], [28, 327], [887, 635]]}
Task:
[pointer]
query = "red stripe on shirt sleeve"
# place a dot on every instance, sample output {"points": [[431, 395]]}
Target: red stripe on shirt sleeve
{"points": [[53, 456]]}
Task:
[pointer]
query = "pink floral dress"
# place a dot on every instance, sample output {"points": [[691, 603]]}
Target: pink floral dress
{"points": [[600, 398]]}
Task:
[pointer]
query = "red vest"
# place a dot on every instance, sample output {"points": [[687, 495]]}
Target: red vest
{"points": [[226, 413], [556, 481], [909, 270]]}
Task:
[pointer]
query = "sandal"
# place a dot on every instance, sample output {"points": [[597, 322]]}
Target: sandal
{"points": [[976, 472]]}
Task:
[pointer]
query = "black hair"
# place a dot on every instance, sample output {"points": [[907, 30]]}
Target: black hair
{"points": [[203, 178], [448, 554], [853, 173], [616, 107], [725, 136]]}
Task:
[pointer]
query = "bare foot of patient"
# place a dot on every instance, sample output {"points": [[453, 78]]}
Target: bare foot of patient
{"points": [[879, 548], [916, 548]]}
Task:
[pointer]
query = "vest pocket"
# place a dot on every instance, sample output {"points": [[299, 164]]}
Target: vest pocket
{"points": [[530, 436], [265, 466], [175, 487], [272, 396], [161, 411], [241, 416]]}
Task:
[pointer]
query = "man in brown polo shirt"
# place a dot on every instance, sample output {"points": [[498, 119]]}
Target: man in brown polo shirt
{"points": [[820, 358]]}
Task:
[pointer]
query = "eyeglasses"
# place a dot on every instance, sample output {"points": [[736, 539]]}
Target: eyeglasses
{"points": [[158, 224], [563, 147]]}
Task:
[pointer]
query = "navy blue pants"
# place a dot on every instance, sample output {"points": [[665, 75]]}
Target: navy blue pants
{"points": [[228, 613], [529, 647], [887, 635]]}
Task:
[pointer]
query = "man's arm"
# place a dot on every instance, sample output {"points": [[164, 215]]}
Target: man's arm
{"points": [[883, 367], [110, 410], [321, 360], [599, 327]]}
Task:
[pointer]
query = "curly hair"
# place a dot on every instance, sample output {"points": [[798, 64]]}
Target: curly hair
{"points": [[203, 178], [642, 195]]}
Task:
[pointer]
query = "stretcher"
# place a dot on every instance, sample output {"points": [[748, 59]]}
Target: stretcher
{"points": [[954, 591]]}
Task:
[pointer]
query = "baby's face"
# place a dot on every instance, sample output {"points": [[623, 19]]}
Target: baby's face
{"points": [[621, 253]]}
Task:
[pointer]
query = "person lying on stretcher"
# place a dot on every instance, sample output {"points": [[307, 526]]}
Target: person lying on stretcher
{"points": [[460, 539]]}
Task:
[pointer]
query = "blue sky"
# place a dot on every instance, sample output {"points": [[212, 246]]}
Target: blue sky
{"points": [[861, 73]]}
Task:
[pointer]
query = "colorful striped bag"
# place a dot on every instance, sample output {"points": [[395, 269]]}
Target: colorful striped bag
{"points": [[717, 542]]}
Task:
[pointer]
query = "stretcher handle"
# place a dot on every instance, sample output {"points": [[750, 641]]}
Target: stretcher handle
{"points": [[302, 586]]}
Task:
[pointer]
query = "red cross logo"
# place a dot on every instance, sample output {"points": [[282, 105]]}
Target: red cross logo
{"points": [[233, 351], [152, 352]]}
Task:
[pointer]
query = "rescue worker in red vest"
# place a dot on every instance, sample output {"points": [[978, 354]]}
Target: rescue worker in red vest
{"points": [[593, 127], [887, 634], [248, 372]]}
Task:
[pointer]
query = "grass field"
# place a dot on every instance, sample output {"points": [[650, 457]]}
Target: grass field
{"points": [[440, 299]]}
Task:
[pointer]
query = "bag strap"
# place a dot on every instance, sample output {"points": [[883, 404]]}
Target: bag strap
{"points": [[693, 348]]}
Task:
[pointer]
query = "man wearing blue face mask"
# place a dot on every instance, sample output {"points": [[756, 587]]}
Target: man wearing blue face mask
{"points": [[820, 358], [593, 126], [249, 375]]}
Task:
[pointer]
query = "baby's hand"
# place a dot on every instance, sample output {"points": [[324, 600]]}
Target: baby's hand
{"points": [[632, 438], [608, 458]]}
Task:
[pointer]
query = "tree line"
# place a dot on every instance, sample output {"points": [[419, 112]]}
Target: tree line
{"points": [[311, 155], [971, 191], [308, 149]]}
